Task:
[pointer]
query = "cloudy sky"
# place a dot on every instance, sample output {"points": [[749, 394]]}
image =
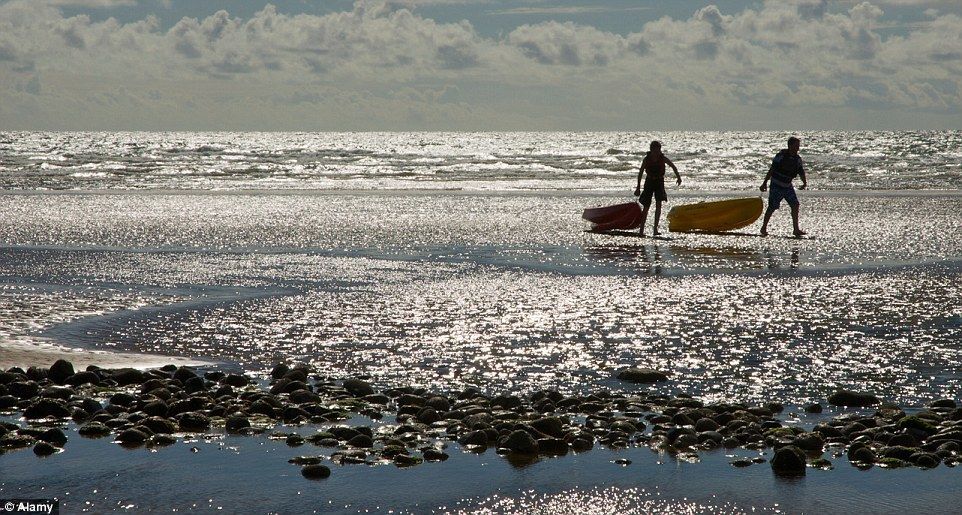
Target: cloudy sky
{"points": [[480, 64]]}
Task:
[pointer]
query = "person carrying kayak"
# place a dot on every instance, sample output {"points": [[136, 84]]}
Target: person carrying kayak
{"points": [[654, 164], [785, 167]]}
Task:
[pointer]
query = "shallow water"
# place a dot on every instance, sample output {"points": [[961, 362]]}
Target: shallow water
{"points": [[251, 249], [500, 291], [838, 160]]}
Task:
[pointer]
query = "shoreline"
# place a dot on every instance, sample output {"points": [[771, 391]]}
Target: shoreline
{"points": [[30, 354]]}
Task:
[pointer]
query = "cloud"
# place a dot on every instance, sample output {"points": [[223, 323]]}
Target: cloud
{"points": [[780, 55], [563, 10]]}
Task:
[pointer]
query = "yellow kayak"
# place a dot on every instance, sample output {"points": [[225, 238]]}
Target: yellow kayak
{"points": [[723, 215]]}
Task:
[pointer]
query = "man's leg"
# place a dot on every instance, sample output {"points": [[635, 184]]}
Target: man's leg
{"points": [[657, 217], [798, 231], [768, 216], [644, 218]]}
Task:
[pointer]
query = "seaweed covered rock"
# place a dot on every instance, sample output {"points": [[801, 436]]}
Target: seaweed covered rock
{"points": [[789, 461], [642, 375], [852, 398]]}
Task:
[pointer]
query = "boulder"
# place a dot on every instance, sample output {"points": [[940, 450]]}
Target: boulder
{"points": [[193, 422], [358, 387], [852, 398], [317, 471], [789, 461], [236, 423], [54, 435], [128, 376], [83, 377], [44, 449], [94, 430], [23, 389], [60, 371], [44, 408], [642, 375], [520, 441], [551, 426], [132, 437]]}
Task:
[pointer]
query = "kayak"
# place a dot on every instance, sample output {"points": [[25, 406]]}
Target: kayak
{"points": [[620, 216], [720, 216]]}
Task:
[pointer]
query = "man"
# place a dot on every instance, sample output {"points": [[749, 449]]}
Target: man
{"points": [[785, 167], [654, 164]]}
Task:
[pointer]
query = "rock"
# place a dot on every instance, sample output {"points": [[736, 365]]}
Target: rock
{"points": [[93, 430], [361, 441], [521, 442], [789, 461], [740, 462], [162, 439], [122, 399], [358, 387], [15, 441], [236, 424], [279, 370], [303, 396], [195, 384], [915, 422], [897, 452], [132, 437], [813, 408], [8, 401], [474, 438], [428, 416], [128, 376], [552, 446], [851, 398], [44, 449], [943, 403], [440, 404], [83, 377], [193, 422], [294, 440], [642, 375], [624, 462], [54, 435], [861, 455], [63, 393], [706, 424], [551, 426], [155, 408], [435, 455], [43, 408], [316, 471], [809, 442], [184, 374], [60, 371], [237, 380], [405, 460], [925, 460], [23, 389]]}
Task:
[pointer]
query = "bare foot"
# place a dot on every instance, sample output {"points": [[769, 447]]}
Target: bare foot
{"points": [[655, 233], [764, 231], [799, 233]]}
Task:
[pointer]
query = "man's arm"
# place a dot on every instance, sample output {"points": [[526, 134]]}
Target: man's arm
{"points": [[641, 171], [674, 169], [801, 174], [768, 175]]}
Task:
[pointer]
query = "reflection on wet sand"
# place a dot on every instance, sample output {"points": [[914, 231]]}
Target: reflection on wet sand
{"points": [[658, 258]]}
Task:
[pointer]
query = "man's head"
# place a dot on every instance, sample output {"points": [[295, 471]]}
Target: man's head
{"points": [[655, 145], [794, 144]]}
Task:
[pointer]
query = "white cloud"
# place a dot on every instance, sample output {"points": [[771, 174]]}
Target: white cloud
{"points": [[389, 66]]}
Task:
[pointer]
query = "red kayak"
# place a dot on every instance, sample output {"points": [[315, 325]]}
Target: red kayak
{"points": [[621, 216]]}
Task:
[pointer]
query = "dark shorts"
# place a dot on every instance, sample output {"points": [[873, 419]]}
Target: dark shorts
{"points": [[778, 193], [653, 188]]}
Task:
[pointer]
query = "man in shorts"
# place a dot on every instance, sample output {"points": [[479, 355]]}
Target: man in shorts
{"points": [[785, 167], [654, 167]]}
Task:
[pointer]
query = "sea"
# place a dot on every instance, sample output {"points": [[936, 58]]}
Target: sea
{"points": [[447, 260]]}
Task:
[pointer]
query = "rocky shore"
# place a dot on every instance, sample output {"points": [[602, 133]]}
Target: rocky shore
{"points": [[46, 407]]}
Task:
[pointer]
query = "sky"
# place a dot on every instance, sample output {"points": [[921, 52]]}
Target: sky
{"points": [[376, 65]]}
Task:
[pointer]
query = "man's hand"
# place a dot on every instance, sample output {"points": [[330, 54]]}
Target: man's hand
{"points": [[678, 180], [638, 191], [763, 187], [802, 187]]}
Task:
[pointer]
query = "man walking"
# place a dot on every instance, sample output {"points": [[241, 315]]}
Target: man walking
{"points": [[785, 167]]}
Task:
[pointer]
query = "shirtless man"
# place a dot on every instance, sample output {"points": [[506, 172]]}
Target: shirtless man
{"points": [[785, 167], [654, 163]]}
